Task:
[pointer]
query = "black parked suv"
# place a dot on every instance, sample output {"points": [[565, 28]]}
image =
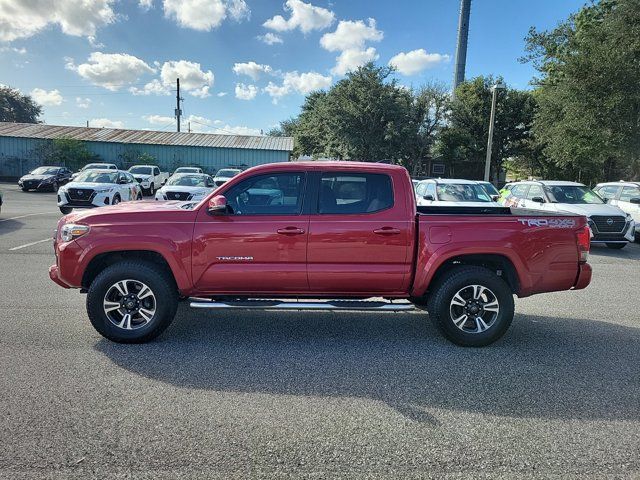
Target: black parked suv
{"points": [[45, 178]]}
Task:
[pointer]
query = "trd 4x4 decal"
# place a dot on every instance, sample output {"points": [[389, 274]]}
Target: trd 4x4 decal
{"points": [[550, 222]]}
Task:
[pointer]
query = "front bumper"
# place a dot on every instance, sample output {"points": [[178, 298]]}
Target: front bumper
{"points": [[95, 200], [626, 235], [35, 185], [54, 275]]}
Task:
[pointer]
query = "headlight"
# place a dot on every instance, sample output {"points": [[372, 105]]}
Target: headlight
{"points": [[104, 190], [71, 231], [47, 180]]}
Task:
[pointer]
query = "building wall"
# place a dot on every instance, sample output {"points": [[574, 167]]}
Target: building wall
{"points": [[18, 155]]}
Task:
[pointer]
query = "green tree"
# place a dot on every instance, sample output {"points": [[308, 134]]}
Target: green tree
{"points": [[16, 107], [588, 121], [462, 143], [72, 153]]}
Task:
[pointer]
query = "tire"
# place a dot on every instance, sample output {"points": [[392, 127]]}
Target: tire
{"points": [[116, 200], [461, 281], [54, 187], [164, 296], [616, 246], [152, 190], [25, 189], [139, 197], [66, 210]]}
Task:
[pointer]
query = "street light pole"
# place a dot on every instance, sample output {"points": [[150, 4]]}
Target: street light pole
{"points": [[494, 98]]}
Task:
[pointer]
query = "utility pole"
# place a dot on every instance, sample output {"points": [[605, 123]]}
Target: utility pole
{"points": [[87, 123], [178, 111], [492, 120], [461, 48]]}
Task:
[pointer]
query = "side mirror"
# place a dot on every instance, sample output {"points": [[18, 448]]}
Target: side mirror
{"points": [[635, 200], [217, 205], [495, 198], [429, 197], [122, 181], [538, 200]]}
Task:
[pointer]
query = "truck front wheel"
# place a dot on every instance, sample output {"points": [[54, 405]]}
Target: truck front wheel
{"points": [[471, 306], [132, 301]]}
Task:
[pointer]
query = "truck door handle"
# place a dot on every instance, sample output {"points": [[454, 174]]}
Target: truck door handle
{"points": [[290, 231], [387, 231]]}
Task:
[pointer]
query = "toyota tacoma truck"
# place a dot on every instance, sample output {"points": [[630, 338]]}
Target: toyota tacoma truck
{"points": [[316, 236]]}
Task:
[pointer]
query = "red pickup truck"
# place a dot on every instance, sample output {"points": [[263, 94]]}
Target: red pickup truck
{"points": [[325, 235]]}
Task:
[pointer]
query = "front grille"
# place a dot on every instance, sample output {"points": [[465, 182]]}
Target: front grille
{"points": [[178, 195], [220, 182], [31, 183], [80, 194], [606, 224]]}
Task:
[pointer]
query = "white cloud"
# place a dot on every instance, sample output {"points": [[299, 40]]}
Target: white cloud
{"points": [[350, 38], [270, 38], [246, 92], [205, 15], [251, 69], [352, 59], [21, 18], [154, 87], [105, 123], [193, 79], [415, 61], [302, 83], [19, 51], [304, 16], [47, 98], [83, 102], [111, 70], [351, 35], [221, 94], [145, 4], [158, 119]]}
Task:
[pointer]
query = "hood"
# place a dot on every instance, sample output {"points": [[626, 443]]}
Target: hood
{"points": [[590, 209], [145, 176], [126, 212], [36, 177], [181, 188], [88, 185]]}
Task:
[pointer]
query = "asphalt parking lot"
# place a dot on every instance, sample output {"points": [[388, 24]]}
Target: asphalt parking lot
{"points": [[313, 395]]}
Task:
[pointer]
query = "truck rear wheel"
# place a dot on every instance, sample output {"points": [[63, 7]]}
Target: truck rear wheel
{"points": [[471, 306], [132, 302]]}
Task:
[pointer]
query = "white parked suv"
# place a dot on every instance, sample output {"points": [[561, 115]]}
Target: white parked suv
{"points": [[186, 186], [95, 166], [149, 177], [96, 188], [624, 195], [609, 224], [451, 192], [224, 175]]}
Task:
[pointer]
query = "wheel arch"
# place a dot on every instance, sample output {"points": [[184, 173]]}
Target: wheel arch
{"points": [[501, 265], [106, 259]]}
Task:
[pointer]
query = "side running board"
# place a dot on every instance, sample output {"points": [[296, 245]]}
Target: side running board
{"points": [[357, 305]]}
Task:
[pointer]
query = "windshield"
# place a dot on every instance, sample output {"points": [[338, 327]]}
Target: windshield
{"points": [[187, 170], [491, 190], [45, 171], [574, 194], [458, 192], [93, 176], [227, 172], [95, 166], [188, 180], [140, 170]]}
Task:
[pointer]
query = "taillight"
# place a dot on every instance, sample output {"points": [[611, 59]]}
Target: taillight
{"points": [[583, 239]]}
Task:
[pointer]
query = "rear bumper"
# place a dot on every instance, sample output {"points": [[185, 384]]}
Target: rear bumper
{"points": [[53, 275], [584, 276]]}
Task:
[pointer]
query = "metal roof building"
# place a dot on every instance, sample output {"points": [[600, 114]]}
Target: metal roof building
{"points": [[19, 144]]}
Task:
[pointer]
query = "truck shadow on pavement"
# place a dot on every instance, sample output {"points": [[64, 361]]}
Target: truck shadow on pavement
{"points": [[7, 226], [544, 367]]}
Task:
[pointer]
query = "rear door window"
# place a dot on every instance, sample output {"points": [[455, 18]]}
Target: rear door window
{"points": [[608, 191], [351, 193], [535, 191], [628, 193], [520, 191]]}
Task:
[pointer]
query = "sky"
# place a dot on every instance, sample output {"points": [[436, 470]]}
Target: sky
{"points": [[244, 65]]}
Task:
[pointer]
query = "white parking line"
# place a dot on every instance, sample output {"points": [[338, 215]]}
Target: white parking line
{"points": [[30, 244], [24, 216]]}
